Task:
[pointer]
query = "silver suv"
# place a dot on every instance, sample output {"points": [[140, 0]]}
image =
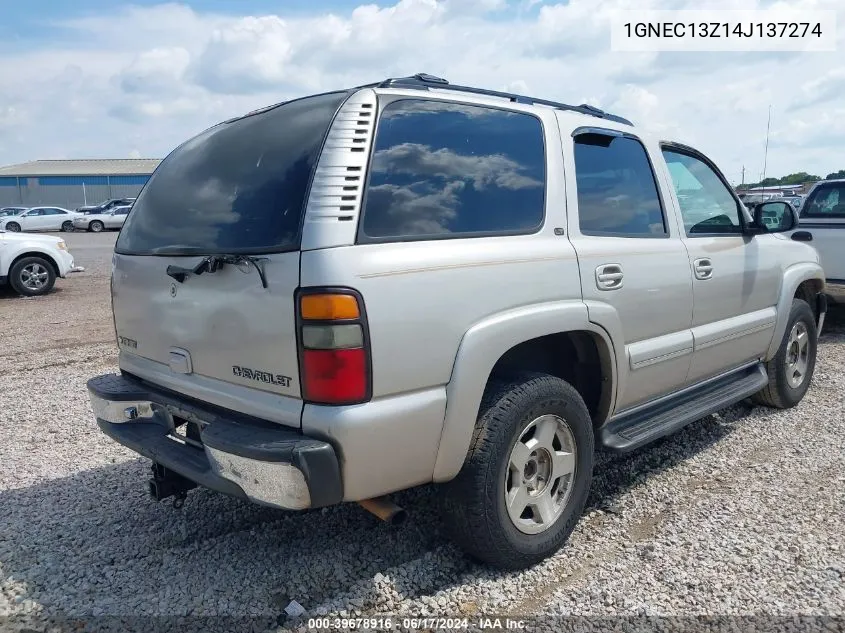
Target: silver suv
{"points": [[359, 292]]}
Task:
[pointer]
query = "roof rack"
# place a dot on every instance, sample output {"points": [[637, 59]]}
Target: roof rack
{"points": [[424, 81]]}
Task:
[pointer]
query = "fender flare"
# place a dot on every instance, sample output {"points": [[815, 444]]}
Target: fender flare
{"points": [[480, 348], [793, 277]]}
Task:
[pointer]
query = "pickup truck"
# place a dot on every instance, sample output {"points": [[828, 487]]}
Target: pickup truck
{"points": [[822, 224], [358, 292]]}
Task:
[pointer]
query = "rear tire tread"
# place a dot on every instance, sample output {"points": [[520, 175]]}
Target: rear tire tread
{"points": [[470, 513]]}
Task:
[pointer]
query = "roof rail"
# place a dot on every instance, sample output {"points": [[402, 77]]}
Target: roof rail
{"points": [[424, 81]]}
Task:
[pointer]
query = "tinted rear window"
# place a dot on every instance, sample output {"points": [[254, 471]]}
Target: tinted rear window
{"points": [[238, 187], [617, 192], [442, 169]]}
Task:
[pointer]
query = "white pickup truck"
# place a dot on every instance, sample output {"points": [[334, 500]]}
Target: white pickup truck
{"points": [[822, 224], [30, 263]]}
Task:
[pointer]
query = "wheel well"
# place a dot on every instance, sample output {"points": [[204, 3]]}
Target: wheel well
{"points": [[807, 290], [580, 358], [43, 256]]}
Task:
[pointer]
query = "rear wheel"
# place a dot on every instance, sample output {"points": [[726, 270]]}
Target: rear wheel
{"points": [[14, 227], [524, 484], [67, 226], [791, 370], [32, 276], [96, 226]]}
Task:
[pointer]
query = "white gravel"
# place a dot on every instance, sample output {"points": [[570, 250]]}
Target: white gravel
{"points": [[740, 514]]}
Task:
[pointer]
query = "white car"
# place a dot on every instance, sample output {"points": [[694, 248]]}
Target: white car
{"points": [[97, 222], [6, 212], [31, 263], [40, 219]]}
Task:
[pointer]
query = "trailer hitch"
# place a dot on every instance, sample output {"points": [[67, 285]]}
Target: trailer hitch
{"points": [[165, 483]]}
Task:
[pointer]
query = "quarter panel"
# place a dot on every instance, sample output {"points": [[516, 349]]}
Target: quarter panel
{"points": [[390, 444], [422, 297], [480, 348]]}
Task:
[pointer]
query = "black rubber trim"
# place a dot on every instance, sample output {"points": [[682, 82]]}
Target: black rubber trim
{"points": [[150, 440], [244, 437], [3, 280], [821, 305]]}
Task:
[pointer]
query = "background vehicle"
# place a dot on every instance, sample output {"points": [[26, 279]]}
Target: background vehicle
{"points": [[31, 263], [822, 224], [8, 211], [105, 206], [40, 219], [417, 282], [795, 201], [97, 222]]}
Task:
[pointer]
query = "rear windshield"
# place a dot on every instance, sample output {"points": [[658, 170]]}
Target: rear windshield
{"points": [[238, 187]]}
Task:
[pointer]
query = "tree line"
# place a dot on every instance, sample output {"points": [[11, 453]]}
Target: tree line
{"points": [[793, 179]]}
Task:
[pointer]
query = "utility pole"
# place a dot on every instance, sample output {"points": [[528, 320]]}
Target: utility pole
{"points": [[766, 152], [743, 176]]}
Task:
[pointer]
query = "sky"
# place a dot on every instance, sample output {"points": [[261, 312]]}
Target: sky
{"points": [[104, 79]]}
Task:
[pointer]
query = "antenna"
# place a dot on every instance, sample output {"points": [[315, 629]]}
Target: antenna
{"points": [[766, 152]]}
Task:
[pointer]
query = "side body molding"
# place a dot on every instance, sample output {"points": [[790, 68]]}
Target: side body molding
{"points": [[792, 278], [480, 348]]}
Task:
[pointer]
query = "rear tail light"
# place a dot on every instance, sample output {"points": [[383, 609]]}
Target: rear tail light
{"points": [[334, 349]]}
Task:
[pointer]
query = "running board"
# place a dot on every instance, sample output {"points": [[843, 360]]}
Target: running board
{"points": [[629, 431]]}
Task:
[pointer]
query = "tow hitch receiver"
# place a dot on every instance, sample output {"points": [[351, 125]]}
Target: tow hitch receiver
{"points": [[166, 483]]}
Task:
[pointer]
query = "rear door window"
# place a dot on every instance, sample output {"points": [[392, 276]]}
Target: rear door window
{"points": [[617, 192], [238, 187], [442, 169]]}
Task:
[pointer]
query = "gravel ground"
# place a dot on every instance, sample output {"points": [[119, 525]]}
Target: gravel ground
{"points": [[737, 515]]}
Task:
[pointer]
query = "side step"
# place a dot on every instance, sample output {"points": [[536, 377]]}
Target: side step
{"points": [[629, 431]]}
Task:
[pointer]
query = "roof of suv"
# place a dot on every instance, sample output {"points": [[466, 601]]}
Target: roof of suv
{"points": [[424, 81]]}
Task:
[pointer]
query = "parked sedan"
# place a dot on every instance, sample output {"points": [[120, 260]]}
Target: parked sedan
{"points": [[97, 222], [105, 207], [40, 219]]}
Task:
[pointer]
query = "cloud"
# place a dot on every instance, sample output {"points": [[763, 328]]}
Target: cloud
{"points": [[148, 77], [155, 70], [250, 55]]}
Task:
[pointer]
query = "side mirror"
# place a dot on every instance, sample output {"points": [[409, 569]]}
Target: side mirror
{"points": [[775, 217]]}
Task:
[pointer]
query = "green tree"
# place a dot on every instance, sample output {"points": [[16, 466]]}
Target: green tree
{"points": [[836, 175]]}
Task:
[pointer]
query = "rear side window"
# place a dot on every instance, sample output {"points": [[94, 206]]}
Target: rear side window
{"points": [[238, 187], [449, 170], [827, 201], [617, 192]]}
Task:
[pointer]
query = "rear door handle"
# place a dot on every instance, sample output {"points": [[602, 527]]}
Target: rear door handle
{"points": [[609, 276], [802, 236], [703, 268]]}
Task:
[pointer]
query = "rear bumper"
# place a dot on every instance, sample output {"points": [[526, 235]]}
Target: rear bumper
{"points": [[238, 456]]}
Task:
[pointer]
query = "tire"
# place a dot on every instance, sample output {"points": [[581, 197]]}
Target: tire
{"points": [[475, 510], [22, 280], [784, 389], [14, 227], [96, 226], [67, 226]]}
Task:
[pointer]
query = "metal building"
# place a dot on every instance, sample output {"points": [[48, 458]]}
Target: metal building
{"points": [[73, 183]]}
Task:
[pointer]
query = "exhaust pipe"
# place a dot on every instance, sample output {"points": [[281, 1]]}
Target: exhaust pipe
{"points": [[385, 510]]}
